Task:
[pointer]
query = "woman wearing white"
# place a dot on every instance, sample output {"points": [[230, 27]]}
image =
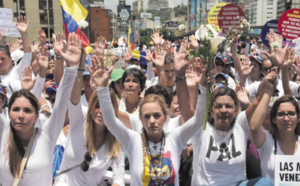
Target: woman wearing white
{"points": [[16, 133], [88, 135], [282, 138], [154, 157]]}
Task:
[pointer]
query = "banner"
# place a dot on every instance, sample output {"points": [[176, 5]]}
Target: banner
{"points": [[287, 170], [9, 29], [213, 15]]}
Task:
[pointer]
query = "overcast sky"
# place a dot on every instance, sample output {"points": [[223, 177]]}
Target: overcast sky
{"points": [[112, 4]]}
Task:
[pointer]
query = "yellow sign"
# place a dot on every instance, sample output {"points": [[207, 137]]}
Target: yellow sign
{"points": [[213, 15]]}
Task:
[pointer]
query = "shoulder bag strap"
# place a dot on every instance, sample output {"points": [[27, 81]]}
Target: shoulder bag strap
{"points": [[25, 158]]}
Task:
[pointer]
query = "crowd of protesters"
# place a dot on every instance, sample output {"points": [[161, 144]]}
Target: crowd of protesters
{"points": [[70, 116]]}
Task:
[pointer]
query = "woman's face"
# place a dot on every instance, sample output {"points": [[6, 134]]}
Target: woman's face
{"points": [[255, 73], [5, 61], [22, 115], [132, 85], [170, 74], [223, 112], [174, 107], [286, 118], [97, 115], [118, 86], [153, 119]]}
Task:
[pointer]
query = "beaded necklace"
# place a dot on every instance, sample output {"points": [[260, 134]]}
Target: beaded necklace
{"points": [[160, 163]]}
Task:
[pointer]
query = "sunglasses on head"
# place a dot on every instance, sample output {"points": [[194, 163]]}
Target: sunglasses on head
{"points": [[86, 163]]}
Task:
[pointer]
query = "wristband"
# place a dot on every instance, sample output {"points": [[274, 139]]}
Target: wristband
{"points": [[179, 77]]}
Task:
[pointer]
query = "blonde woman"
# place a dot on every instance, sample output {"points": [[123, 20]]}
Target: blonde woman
{"points": [[90, 145], [153, 155]]}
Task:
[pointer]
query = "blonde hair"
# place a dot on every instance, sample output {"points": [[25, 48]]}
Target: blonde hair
{"points": [[112, 146], [150, 98]]}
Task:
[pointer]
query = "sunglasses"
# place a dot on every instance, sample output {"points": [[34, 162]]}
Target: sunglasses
{"points": [[218, 63], [86, 163], [266, 69], [242, 59]]}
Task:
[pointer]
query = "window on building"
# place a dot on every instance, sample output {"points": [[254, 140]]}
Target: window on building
{"points": [[97, 26], [22, 4], [42, 4], [43, 18], [1, 3], [97, 19], [46, 31], [97, 34], [96, 11]]}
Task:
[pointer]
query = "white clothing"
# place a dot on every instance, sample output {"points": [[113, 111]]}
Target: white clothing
{"points": [[11, 80], [253, 88], [131, 144], [75, 152], [39, 166], [84, 104], [122, 107], [267, 156], [231, 83], [221, 161]]}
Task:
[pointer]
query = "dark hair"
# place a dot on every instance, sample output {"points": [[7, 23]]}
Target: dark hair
{"points": [[284, 99], [15, 148], [172, 95], [159, 90], [5, 49], [136, 73], [223, 91]]}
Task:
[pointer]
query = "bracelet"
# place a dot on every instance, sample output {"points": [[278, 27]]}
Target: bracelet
{"points": [[82, 70], [179, 77]]}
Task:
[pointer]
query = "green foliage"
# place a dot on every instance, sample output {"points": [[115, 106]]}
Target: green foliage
{"points": [[168, 34], [146, 36], [180, 10]]}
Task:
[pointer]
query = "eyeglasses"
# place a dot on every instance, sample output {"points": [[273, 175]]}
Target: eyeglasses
{"points": [[86, 163], [242, 59], [290, 114], [266, 69]]}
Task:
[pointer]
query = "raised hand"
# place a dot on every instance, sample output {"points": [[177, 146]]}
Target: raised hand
{"points": [[73, 53], [127, 56], [26, 78], [148, 56], [1, 38], [99, 75], [59, 44], [194, 42], [270, 81], [156, 38], [180, 59], [42, 37], [42, 59], [276, 55], [160, 56], [22, 25], [297, 64], [100, 46], [289, 58], [242, 95]]}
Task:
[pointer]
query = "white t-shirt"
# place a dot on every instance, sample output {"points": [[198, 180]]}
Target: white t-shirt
{"points": [[267, 156], [74, 155], [12, 80], [39, 166], [131, 144], [122, 107], [221, 162], [253, 88]]}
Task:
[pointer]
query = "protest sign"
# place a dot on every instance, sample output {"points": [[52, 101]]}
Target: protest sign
{"points": [[273, 24], [230, 17], [9, 29], [213, 15], [6, 15], [287, 170], [297, 47], [289, 24]]}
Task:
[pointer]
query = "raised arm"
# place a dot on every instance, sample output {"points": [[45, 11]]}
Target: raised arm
{"points": [[180, 66], [159, 62], [22, 27], [289, 59], [72, 55], [256, 130], [59, 47], [100, 77]]}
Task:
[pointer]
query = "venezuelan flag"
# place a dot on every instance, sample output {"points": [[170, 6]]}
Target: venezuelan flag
{"points": [[130, 39], [73, 12]]}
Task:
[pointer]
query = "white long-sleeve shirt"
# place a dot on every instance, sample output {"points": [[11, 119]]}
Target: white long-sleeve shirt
{"points": [[39, 165], [131, 144], [74, 155]]}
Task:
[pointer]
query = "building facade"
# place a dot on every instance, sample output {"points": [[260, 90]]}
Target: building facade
{"points": [[157, 4], [261, 11], [45, 14], [138, 6]]}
